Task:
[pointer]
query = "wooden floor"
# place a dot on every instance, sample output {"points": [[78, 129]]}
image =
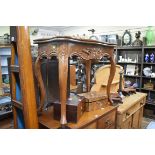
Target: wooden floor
{"points": [[8, 123]]}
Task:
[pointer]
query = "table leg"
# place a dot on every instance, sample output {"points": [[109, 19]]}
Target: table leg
{"points": [[88, 69], [111, 77], [37, 70], [63, 74]]}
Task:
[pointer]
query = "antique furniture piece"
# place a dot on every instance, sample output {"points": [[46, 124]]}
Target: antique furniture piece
{"points": [[99, 119], [75, 108], [130, 113], [101, 79], [95, 100], [22, 81], [50, 76], [64, 47]]}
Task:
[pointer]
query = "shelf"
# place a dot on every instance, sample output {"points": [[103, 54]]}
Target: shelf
{"points": [[148, 77], [150, 103], [149, 47], [14, 68], [5, 46], [73, 63], [104, 62], [147, 89], [149, 63], [4, 113], [4, 66], [132, 75], [128, 63], [17, 104], [5, 73], [129, 48]]}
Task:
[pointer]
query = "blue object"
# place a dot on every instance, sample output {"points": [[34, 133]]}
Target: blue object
{"points": [[146, 57], [151, 125], [20, 119], [152, 57]]}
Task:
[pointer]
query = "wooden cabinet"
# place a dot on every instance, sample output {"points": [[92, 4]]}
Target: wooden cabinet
{"points": [[107, 121], [127, 124], [99, 119], [130, 113]]}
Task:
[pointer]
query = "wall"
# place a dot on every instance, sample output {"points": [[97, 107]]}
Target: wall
{"points": [[80, 30], [105, 30], [4, 29]]}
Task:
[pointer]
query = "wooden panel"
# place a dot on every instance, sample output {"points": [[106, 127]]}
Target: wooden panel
{"points": [[27, 84], [135, 121], [130, 101], [91, 126], [130, 113], [127, 124], [140, 117], [73, 75], [107, 121]]}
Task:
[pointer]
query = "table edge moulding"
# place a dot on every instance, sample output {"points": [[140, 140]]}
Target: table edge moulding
{"points": [[64, 47]]}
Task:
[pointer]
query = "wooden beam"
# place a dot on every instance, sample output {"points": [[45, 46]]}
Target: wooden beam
{"points": [[26, 77]]}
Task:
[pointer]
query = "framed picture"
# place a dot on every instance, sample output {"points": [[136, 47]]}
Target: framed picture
{"points": [[126, 39]]}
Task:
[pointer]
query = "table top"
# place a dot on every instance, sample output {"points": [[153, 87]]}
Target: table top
{"points": [[72, 39], [129, 101], [46, 119]]}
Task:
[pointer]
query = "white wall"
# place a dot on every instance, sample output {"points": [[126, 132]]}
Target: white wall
{"points": [[106, 30], [4, 29], [80, 30]]}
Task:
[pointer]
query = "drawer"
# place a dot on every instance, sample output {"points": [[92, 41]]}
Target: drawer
{"points": [[91, 126], [131, 111], [108, 121]]}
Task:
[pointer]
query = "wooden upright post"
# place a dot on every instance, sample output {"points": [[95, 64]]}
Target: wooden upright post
{"points": [[26, 77]]}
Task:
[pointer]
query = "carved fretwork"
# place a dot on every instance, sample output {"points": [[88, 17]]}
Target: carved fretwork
{"points": [[47, 51], [90, 53]]}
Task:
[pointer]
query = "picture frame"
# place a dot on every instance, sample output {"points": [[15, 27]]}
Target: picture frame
{"points": [[126, 38]]}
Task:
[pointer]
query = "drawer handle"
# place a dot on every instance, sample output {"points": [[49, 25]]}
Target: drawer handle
{"points": [[108, 122], [141, 104], [127, 114]]}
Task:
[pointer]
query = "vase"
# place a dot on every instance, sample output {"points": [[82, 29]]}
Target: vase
{"points": [[152, 58], [149, 36], [146, 57]]}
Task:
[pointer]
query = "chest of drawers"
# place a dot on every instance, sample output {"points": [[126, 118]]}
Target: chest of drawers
{"points": [[99, 119], [130, 113]]}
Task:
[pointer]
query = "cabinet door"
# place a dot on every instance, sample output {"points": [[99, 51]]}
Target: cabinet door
{"points": [[127, 124], [136, 119], [140, 117]]}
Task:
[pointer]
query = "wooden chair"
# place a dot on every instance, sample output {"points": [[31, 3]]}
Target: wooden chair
{"points": [[102, 76]]}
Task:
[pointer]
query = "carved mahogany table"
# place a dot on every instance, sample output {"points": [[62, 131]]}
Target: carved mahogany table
{"points": [[63, 48]]}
